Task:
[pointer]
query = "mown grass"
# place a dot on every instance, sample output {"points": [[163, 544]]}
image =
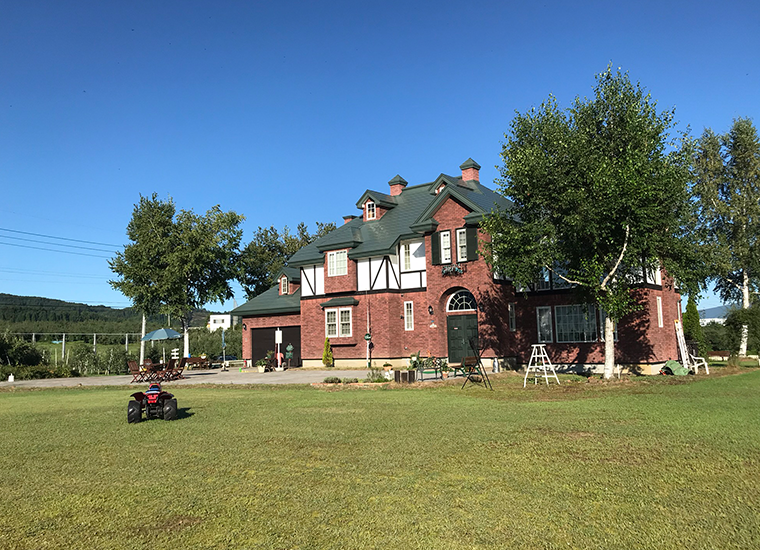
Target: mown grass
{"points": [[650, 463]]}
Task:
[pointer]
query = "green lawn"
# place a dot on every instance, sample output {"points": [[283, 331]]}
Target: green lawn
{"points": [[651, 463]]}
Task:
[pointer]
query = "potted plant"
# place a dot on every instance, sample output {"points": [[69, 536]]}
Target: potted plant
{"points": [[443, 364], [387, 370], [261, 364]]}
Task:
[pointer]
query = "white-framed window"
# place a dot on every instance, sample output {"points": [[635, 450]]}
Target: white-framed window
{"points": [[461, 245], [659, 312], [576, 323], [408, 315], [512, 316], [462, 300], [337, 263], [602, 320], [284, 286], [338, 322], [331, 323], [406, 257], [446, 247], [345, 321], [544, 323], [371, 213], [543, 282]]}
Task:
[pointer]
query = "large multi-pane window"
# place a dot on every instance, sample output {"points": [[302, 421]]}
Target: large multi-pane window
{"points": [[408, 315], [576, 323], [446, 247], [338, 322], [337, 263], [544, 323]]}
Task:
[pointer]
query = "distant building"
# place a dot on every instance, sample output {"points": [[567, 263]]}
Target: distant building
{"points": [[713, 315], [222, 320]]}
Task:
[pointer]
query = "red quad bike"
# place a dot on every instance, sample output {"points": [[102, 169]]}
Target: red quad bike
{"points": [[155, 402]]}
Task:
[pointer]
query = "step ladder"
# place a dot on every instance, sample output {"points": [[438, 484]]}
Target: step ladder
{"points": [[540, 365]]}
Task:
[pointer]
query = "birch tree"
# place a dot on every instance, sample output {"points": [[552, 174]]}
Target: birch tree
{"points": [[727, 186], [598, 190], [177, 262]]}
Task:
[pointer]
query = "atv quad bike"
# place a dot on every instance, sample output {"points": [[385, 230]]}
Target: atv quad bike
{"points": [[155, 402]]}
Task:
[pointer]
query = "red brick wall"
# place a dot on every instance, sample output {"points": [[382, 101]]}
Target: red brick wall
{"points": [[340, 283]]}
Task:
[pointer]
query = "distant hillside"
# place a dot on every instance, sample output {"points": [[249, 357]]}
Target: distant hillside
{"points": [[32, 314]]}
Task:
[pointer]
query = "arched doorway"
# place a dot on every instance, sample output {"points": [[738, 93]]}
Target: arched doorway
{"points": [[461, 325]]}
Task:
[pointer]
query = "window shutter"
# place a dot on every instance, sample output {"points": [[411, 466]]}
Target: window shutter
{"points": [[435, 248], [472, 243]]}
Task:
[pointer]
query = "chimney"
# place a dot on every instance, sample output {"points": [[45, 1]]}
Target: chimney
{"points": [[397, 185], [348, 218], [470, 170]]}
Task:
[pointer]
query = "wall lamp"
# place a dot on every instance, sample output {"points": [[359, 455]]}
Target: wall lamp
{"points": [[430, 310]]}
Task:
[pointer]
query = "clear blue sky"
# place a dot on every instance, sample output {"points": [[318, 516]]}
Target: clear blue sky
{"points": [[288, 111]]}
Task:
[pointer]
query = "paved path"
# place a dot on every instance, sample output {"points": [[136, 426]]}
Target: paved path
{"points": [[215, 376]]}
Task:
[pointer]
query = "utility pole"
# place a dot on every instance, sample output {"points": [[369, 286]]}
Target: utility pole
{"points": [[142, 343]]}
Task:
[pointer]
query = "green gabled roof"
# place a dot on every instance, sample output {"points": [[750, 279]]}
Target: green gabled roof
{"points": [[380, 199], [292, 273], [412, 216], [270, 302]]}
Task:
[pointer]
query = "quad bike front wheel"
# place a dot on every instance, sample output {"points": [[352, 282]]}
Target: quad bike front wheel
{"points": [[170, 409], [134, 412]]}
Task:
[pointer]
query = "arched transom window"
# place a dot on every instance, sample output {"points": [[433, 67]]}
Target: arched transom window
{"points": [[462, 300]]}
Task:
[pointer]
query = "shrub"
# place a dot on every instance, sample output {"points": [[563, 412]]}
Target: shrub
{"points": [[350, 380], [327, 355], [15, 351], [331, 380], [376, 375]]}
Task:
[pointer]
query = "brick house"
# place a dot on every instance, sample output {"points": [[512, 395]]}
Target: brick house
{"points": [[407, 271]]}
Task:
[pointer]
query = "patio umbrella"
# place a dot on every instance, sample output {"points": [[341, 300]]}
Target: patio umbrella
{"points": [[162, 334]]}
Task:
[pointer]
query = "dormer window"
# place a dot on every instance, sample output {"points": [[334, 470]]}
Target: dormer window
{"points": [[370, 210], [440, 188], [284, 286]]}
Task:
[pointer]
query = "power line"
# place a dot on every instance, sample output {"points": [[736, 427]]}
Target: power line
{"points": [[54, 250], [54, 244], [58, 238], [57, 274]]}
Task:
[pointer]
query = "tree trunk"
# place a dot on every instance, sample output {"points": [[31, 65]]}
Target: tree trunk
{"points": [[745, 305], [185, 327], [609, 347], [142, 343]]}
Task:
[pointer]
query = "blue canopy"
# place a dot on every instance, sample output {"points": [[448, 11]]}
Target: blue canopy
{"points": [[161, 334]]}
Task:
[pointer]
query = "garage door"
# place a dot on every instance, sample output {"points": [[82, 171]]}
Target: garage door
{"points": [[262, 340]]}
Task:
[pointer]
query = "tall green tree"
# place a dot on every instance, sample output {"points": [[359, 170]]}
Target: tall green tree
{"points": [[692, 329], [177, 262], [727, 187], [268, 252], [598, 191]]}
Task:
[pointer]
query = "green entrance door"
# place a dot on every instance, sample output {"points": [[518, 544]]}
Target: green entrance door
{"points": [[459, 330]]}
